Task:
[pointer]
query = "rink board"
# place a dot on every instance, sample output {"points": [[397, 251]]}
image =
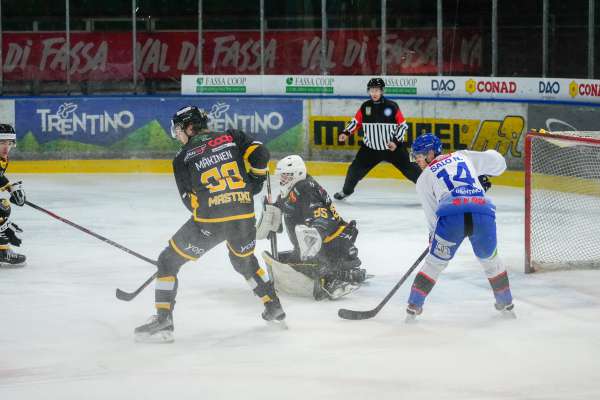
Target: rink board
{"points": [[316, 168]]}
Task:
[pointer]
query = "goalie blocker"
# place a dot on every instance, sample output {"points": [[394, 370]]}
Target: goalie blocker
{"points": [[324, 262]]}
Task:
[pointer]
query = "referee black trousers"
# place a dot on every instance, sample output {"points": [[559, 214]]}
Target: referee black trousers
{"points": [[366, 159]]}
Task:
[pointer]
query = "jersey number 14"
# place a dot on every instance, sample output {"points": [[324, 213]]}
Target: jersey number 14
{"points": [[462, 175]]}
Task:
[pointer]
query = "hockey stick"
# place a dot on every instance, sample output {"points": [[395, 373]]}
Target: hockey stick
{"points": [[120, 294], [128, 296], [355, 315], [272, 235]]}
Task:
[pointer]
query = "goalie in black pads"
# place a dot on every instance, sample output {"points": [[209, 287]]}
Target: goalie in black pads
{"points": [[8, 230], [217, 189], [324, 262]]}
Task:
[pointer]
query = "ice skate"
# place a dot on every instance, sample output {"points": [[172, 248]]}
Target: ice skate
{"points": [[158, 329], [411, 313], [507, 310], [340, 195], [274, 313], [354, 275], [336, 288], [10, 259]]}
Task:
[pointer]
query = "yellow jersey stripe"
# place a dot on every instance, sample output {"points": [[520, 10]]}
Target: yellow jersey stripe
{"points": [[259, 171], [167, 279], [334, 234], [250, 150], [241, 255], [180, 252], [224, 219], [164, 306]]}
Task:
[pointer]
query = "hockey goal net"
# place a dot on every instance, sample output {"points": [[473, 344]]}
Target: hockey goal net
{"points": [[562, 200]]}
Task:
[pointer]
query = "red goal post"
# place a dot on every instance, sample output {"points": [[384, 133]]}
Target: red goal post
{"points": [[562, 200]]}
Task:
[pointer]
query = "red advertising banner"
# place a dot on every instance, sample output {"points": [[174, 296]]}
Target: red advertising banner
{"points": [[167, 55]]}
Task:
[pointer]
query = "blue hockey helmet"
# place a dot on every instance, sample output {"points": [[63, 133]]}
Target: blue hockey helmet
{"points": [[426, 142]]}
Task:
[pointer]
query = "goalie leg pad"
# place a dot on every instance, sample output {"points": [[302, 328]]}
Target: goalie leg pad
{"points": [[287, 279]]}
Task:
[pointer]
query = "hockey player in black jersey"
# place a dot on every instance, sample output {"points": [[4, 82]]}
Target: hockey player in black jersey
{"points": [[217, 189], [324, 261], [8, 230], [384, 129]]}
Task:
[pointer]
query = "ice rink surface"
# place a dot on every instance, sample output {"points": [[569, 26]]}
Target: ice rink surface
{"points": [[64, 335]]}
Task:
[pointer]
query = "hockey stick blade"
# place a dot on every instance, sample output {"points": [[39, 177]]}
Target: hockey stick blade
{"points": [[127, 296], [357, 315]]}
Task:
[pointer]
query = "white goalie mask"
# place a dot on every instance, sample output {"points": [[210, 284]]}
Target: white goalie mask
{"points": [[290, 170]]}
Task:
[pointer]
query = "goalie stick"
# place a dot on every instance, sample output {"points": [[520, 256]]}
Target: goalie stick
{"points": [[356, 315], [121, 295], [272, 235]]}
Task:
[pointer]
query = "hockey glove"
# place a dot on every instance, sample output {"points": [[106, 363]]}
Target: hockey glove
{"points": [[17, 193], [9, 234], [485, 182], [256, 182]]}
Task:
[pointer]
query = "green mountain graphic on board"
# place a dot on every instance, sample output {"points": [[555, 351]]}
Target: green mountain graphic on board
{"points": [[150, 137]]}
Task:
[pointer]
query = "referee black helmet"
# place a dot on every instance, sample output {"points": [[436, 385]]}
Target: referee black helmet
{"points": [[375, 82]]}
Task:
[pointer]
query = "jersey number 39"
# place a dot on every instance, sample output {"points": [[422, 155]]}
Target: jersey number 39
{"points": [[218, 179]]}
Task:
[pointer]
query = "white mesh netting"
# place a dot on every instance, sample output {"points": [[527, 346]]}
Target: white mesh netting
{"points": [[565, 201]]}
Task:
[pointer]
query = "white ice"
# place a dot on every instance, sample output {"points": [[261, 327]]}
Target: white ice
{"points": [[64, 335]]}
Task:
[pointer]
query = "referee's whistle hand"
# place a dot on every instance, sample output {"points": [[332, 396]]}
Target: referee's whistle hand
{"points": [[342, 137], [392, 146]]}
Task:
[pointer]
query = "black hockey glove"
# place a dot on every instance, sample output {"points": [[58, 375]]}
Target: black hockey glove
{"points": [[17, 193], [485, 182], [9, 234], [256, 182]]}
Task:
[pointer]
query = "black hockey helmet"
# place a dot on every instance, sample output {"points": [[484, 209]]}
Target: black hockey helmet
{"points": [[187, 115], [376, 82], [7, 132]]}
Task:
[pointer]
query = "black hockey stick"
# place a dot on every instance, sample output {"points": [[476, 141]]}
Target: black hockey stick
{"points": [[120, 294], [355, 315], [128, 296]]}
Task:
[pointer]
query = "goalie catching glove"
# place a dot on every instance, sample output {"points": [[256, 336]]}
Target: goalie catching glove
{"points": [[270, 221]]}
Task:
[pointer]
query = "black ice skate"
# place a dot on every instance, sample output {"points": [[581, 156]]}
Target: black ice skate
{"points": [[10, 259], [412, 311], [353, 275], [274, 313], [336, 288], [507, 310], [158, 329], [340, 195]]}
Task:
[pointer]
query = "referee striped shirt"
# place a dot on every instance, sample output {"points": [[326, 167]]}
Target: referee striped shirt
{"points": [[382, 122]]}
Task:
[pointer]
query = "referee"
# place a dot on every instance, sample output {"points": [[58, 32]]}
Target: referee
{"points": [[384, 128]]}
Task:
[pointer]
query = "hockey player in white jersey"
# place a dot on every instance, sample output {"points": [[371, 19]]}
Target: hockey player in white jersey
{"points": [[456, 207]]}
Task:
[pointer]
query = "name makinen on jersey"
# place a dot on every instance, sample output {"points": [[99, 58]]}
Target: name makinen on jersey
{"points": [[209, 161]]}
